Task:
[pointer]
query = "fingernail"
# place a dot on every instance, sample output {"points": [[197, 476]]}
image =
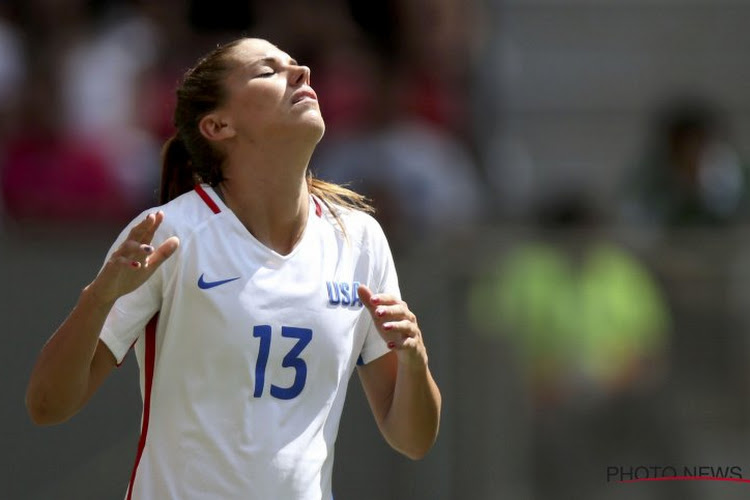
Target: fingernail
{"points": [[135, 264], [391, 345], [375, 300], [147, 248], [387, 326], [380, 312]]}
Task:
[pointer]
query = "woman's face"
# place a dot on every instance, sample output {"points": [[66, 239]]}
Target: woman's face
{"points": [[269, 95]]}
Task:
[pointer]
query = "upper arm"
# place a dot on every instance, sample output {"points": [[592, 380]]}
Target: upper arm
{"points": [[379, 381]]}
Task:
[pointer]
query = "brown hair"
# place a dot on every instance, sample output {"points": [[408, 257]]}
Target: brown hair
{"points": [[188, 157]]}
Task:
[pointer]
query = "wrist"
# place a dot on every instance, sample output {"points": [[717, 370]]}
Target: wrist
{"points": [[93, 297], [415, 362]]}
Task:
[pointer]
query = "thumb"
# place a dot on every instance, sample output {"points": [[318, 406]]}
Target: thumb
{"points": [[164, 251]]}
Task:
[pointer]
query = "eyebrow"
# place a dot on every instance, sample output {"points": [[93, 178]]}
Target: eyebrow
{"points": [[274, 60]]}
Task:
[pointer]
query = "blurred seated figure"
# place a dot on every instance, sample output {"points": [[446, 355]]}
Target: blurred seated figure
{"points": [[590, 330], [586, 317], [50, 175], [691, 174], [117, 91]]}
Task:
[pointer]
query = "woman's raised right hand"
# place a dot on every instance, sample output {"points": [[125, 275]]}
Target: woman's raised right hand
{"points": [[133, 262]]}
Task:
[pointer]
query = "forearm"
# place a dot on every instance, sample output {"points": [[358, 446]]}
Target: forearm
{"points": [[70, 367], [60, 378], [411, 424]]}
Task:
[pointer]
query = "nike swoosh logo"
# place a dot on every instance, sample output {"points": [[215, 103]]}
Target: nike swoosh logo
{"points": [[205, 285]]}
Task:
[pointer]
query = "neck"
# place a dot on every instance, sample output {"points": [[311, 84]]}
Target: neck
{"points": [[267, 190]]}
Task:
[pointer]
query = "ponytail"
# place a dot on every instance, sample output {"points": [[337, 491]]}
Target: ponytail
{"points": [[177, 175]]}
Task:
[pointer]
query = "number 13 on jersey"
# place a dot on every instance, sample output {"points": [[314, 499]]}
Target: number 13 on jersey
{"points": [[291, 360]]}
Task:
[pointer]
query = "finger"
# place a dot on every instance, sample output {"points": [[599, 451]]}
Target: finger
{"points": [[408, 343], [136, 257], [127, 247], [136, 233], [164, 251], [384, 298], [365, 296], [135, 254], [370, 299], [132, 248], [394, 312], [123, 261], [141, 255], [403, 342], [150, 230], [403, 327]]}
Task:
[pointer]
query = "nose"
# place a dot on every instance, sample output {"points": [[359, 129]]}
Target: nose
{"points": [[300, 75]]}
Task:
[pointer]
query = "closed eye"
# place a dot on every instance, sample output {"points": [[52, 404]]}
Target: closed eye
{"points": [[266, 74]]}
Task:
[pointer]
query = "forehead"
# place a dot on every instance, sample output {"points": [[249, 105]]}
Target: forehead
{"points": [[252, 50]]}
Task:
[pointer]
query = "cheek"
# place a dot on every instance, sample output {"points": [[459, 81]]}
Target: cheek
{"points": [[258, 103], [259, 106]]}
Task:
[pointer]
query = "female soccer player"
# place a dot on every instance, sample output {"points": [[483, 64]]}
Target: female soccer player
{"points": [[250, 295]]}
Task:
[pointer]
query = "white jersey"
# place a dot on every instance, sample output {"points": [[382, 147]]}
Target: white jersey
{"points": [[245, 354]]}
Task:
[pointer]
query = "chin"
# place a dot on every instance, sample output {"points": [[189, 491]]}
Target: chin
{"points": [[316, 127], [309, 128]]}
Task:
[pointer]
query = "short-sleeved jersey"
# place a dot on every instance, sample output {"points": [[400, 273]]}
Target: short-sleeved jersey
{"points": [[245, 354]]}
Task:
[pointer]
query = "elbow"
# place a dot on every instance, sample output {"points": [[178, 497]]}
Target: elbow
{"points": [[41, 418], [410, 448], [40, 412], [417, 453], [416, 445], [417, 450]]}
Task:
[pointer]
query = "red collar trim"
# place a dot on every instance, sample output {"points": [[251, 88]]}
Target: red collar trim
{"points": [[215, 208], [207, 199], [318, 208]]}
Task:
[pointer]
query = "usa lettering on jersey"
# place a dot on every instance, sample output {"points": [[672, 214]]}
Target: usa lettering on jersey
{"points": [[343, 293]]}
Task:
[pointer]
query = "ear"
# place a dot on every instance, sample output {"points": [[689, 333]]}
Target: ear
{"points": [[214, 127]]}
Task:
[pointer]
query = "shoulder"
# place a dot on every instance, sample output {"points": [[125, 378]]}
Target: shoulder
{"points": [[357, 227], [192, 209], [183, 216]]}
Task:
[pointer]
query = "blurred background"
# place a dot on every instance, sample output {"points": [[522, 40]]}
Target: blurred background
{"points": [[564, 184]]}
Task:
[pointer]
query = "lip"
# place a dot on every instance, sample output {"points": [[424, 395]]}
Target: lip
{"points": [[304, 93]]}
